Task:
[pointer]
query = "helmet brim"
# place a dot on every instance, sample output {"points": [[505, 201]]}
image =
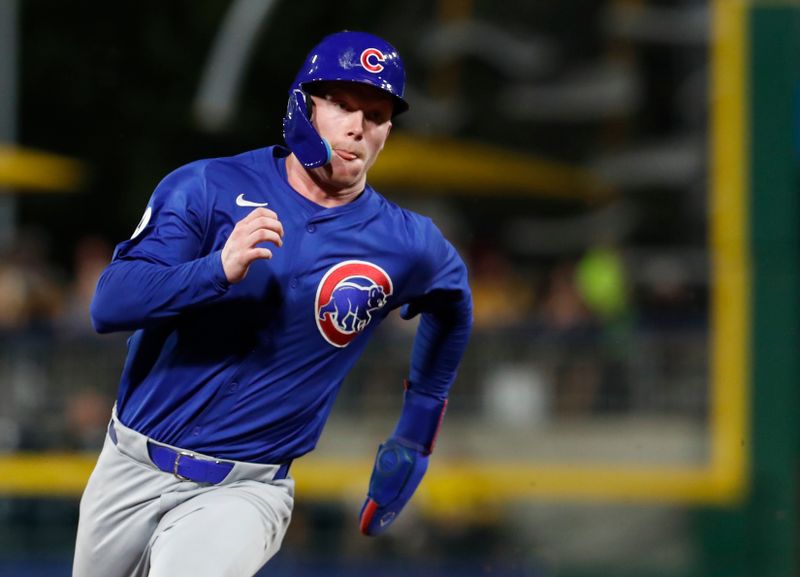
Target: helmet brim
{"points": [[400, 105]]}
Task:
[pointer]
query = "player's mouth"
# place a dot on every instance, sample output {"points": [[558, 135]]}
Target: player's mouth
{"points": [[345, 154]]}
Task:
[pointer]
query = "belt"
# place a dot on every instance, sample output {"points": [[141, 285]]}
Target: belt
{"points": [[188, 466]]}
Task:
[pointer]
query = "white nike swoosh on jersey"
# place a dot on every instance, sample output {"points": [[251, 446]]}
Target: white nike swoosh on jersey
{"points": [[242, 202]]}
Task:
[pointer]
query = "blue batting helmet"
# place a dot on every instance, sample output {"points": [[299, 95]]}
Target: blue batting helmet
{"points": [[348, 57]]}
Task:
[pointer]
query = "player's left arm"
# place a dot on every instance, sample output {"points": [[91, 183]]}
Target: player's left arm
{"points": [[446, 321]]}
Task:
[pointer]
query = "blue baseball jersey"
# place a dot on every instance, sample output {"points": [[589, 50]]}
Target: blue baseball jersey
{"points": [[249, 371]]}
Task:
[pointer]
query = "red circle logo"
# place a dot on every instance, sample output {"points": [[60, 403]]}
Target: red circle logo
{"points": [[371, 60], [347, 296]]}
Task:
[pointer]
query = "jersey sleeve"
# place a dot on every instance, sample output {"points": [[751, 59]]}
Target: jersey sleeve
{"points": [[443, 298], [161, 270]]}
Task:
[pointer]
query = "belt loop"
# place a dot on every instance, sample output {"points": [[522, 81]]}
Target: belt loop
{"points": [[112, 432], [282, 472]]}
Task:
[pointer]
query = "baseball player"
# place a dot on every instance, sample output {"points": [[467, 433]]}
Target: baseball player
{"points": [[252, 285]]}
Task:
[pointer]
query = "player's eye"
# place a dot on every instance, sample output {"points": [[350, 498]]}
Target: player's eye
{"points": [[337, 102], [377, 116]]}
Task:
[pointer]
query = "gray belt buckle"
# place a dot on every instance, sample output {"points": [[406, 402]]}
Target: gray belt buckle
{"points": [[177, 462]]}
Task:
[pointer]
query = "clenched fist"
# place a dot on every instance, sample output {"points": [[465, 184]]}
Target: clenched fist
{"points": [[240, 250]]}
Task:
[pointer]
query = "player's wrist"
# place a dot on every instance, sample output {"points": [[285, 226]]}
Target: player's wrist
{"points": [[420, 420], [219, 275]]}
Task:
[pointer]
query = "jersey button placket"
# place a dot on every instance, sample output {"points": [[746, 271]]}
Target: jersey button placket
{"points": [[311, 228]]}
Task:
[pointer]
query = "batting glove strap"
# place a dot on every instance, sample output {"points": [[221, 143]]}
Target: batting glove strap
{"points": [[397, 473], [420, 420]]}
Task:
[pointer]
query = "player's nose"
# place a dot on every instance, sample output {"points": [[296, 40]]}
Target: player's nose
{"points": [[355, 124]]}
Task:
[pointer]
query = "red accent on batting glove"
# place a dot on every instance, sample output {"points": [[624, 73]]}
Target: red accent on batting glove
{"points": [[366, 516]]}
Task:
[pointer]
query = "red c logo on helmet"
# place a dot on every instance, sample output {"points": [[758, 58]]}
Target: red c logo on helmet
{"points": [[368, 56]]}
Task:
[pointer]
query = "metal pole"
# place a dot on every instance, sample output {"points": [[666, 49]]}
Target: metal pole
{"points": [[8, 107]]}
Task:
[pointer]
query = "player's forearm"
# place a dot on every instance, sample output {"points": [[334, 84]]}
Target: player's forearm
{"points": [[439, 347], [402, 460], [132, 293]]}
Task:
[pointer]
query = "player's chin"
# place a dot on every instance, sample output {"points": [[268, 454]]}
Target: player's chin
{"points": [[346, 176]]}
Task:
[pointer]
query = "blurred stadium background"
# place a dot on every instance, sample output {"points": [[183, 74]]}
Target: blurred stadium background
{"points": [[621, 177]]}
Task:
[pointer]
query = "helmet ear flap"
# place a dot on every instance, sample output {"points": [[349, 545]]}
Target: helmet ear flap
{"points": [[302, 138]]}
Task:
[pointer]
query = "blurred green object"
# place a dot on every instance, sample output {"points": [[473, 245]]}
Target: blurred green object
{"points": [[601, 280]]}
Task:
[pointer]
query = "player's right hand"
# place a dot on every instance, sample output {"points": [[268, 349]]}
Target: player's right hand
{"points": [[241, 248]]}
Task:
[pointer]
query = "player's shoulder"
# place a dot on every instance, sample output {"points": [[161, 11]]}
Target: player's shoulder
{"points": [[191, 175], [197, 179], [404, 216], [238, 164], [417, 231]]}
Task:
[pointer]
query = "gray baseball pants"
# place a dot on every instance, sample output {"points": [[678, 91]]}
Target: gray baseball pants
{"points": [[138, 521]]}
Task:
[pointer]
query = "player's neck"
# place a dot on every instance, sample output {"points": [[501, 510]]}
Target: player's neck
{"points": [[316, 189]]}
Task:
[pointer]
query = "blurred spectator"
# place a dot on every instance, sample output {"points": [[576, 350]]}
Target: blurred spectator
{"points": [[13, 297], [30, 295], [29, 299], [74, 421], [90, 257], [572, 328], [502, 296], [86, 420], [671, 298], [603, 283], [563, 309]]}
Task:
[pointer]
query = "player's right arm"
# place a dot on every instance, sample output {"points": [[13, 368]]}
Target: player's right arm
{"points": [[163, 270]]}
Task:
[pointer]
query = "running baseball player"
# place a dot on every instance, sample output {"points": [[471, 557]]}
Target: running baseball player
{"points": [[252, 285]]}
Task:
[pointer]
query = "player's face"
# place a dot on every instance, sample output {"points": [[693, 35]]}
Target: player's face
{"points": [[355, 119]]}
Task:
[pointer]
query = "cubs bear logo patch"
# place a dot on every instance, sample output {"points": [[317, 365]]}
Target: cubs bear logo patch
{"points": [[347, 297]]}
